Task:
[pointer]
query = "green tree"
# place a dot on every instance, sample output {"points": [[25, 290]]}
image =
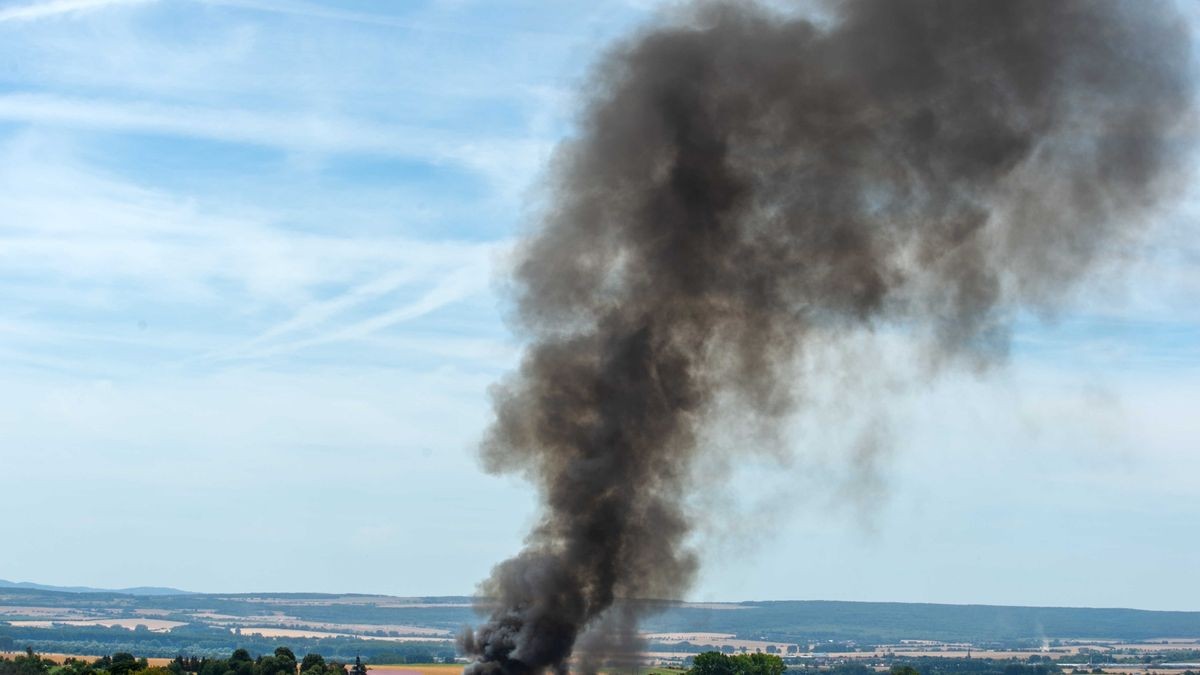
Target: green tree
{"points": [[716, 663], [214, 667], [73, 666], [760, 664], [269, 665], [124, 663], [711, 663], [313, 663], [29, 663]]}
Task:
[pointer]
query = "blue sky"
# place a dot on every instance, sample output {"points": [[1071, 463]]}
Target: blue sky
{"points": [[251, 272]]}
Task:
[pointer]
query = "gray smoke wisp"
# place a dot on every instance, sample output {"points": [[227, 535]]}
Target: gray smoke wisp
{"points": [[744, 183]]}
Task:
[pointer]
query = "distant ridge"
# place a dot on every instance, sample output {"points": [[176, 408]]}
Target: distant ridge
{"points": [[136, 590], [793, 622]]}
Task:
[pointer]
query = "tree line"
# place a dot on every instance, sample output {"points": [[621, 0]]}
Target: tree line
{"points": [[212, 641], [281, 662], [716, 663]]}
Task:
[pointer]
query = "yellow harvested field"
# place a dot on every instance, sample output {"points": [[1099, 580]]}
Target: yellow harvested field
{"points": [[48, 612], [59, 658], [698, 638], [212, 614], [319, 628], [155, 625], [660, 657], [272, 631], [1158, 646], [418, 669], [361, 628], [946, 654], [406, 638], [370, 600], [719, 640]]}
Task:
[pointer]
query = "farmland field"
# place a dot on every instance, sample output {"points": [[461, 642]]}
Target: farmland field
{"points": [[406, 631], [418, 669]]}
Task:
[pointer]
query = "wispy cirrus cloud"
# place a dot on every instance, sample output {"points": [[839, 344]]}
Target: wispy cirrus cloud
{"points": [[310, 10], [87, 255], [58, 8], [254, 237], [505, 160], [314, 11], [260, 233], [455, 287]]}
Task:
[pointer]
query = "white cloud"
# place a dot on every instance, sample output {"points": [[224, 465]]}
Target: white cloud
{"points": [[56, 8], [508, 162], [455, 287], [312, 11], [65, 218], [315, 11], [347, 344], [76, 243]]}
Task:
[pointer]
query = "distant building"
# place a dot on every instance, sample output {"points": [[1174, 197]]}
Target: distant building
{"points": [[359, 667]]}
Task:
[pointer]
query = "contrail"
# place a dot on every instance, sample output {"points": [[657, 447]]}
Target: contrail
{"points": [[747, 184]]}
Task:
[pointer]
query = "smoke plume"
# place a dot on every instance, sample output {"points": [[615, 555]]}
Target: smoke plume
{"points": [[745, 183]]}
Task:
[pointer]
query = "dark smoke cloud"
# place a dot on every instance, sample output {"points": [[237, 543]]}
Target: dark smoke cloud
{"points": [[746, 183]]}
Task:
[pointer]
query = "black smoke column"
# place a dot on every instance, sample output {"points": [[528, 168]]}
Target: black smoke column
{"points": [[745, 184]]}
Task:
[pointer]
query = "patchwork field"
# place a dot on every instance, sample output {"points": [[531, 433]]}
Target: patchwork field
{"points": [[157, 625], [404, 631], [271, 632], [418, 669], [60, 658]]}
